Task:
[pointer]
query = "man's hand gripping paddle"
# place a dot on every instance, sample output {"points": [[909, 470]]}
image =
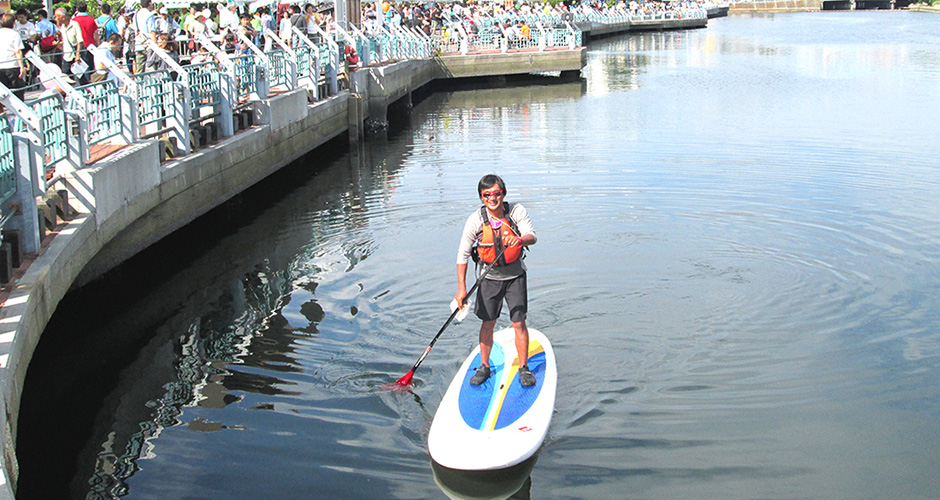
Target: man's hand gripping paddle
{"points": [[462, 311]]}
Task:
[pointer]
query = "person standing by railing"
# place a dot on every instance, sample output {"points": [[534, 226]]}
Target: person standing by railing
{"points": [[47, 38], [228, 18], [27, 30], [166, 24], [145, 28], [12, 64], [312, 20], [283, 28], [88, 26], [108, 26], [112, 49], [70, 41]]}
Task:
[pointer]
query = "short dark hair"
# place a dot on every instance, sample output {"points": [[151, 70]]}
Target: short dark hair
{"points": [[105, 9], [42, 13], [144, 4], [490, 181], [81, 7], [7, 20], [115, 37], [22, 12]]}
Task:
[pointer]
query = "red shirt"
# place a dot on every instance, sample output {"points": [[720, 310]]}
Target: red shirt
{"points": [[88, 26]]}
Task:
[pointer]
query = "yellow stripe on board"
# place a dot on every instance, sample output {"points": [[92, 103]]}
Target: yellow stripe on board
{"points": [[497, 406]]}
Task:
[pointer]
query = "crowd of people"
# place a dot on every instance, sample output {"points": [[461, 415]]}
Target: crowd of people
{"points": [[128, 37], [433, 17]]}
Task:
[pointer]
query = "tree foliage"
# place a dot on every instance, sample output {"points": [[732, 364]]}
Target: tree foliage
{"points": [[94, 6]]}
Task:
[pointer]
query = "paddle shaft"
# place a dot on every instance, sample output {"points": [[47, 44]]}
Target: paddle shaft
{"points": [[453, 315]]}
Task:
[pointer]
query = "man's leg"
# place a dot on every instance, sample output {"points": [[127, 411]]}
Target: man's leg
{"points": [[486, 341], [486, 344], [522, 341]]}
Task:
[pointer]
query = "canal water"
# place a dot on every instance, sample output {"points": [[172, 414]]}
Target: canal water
{"points": [[738, 265]]}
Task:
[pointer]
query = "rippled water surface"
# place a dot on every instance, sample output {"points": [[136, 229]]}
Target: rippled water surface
{"points": [[737, 264]]}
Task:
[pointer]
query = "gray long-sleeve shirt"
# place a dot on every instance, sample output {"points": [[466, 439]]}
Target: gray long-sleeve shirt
{"points": [[473, 231]]}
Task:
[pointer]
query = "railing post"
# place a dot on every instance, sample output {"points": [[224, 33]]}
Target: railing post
{"points": [[332, 73], [78, 142], [290, 62], [464, 40], [365, 56], [315, 70], [228, 94], [78, 151], [130, 127], [179, 120], [30, 175], [263, 83], [28, 160]]}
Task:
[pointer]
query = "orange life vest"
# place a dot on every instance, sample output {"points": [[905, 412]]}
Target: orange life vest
{"points": [[491, 243]]}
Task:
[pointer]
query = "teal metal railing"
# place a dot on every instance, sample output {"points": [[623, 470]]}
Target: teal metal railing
{"points": [[277, 72], [305, 61], [103, 109], [203, 80], [53, 126], [7, 162], [246, 75], [155, 99]]}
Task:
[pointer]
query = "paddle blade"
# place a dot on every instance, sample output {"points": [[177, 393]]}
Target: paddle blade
{"points": [[406, 380]]}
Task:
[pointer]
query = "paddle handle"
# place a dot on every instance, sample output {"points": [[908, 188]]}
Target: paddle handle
{"points": [[453, 314]]}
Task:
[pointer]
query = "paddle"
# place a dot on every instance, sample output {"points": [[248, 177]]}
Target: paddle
{"points": [[406, 380]]}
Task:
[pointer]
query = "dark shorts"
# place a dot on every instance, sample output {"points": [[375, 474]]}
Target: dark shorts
{"points": [[490, 297]]}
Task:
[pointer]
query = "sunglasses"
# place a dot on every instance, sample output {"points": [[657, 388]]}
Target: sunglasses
{"points": [[492, 194]]}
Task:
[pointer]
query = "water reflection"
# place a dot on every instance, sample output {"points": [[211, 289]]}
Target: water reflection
{"points": [[244, 337], [513, 483]]}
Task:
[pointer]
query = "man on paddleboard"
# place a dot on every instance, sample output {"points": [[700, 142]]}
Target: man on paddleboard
{"points": [[498, 231]]}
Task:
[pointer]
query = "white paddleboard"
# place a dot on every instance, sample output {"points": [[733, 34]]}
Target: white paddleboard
{"points": [[500, 423]]}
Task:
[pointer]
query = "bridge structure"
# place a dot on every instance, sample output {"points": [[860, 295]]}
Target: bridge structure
{"points": [[90, 176]]}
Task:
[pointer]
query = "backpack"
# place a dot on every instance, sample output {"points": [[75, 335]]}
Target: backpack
{"points": [[100, 33]]}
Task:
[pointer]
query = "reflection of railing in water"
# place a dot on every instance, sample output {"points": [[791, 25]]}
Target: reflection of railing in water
{"points": [[209, 343]]}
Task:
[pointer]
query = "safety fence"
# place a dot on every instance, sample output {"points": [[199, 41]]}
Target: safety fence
{"points": [[64, 127], [7, 165]]}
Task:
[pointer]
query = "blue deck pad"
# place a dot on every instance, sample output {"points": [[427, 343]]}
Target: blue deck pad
{"points": [[490, 406], [475, 400], [518, 398]]}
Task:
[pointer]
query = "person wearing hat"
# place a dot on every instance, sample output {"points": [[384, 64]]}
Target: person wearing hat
{"points": [[228, 18], [205, 17], [48, 81]]}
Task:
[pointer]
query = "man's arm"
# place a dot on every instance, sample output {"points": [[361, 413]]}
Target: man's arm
{"points": [[461, 283]]}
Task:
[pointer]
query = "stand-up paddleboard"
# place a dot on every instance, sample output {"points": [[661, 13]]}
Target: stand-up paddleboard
{"points": [[499, 423]]}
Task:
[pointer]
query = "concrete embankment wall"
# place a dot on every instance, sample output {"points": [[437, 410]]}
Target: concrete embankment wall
{"points": [[776, 6], [597, 30], [159, 199], [130, 200], [924, 8]]}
